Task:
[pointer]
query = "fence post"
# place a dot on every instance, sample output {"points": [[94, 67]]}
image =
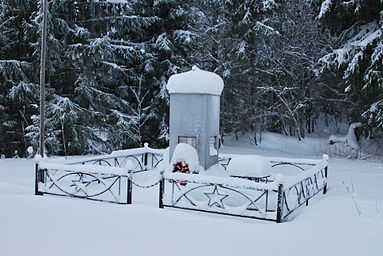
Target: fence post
{"points": [[39, 177], [145, 160], [325, 186], [161, 194], [280, 204], [146, 146], [129, 195]]}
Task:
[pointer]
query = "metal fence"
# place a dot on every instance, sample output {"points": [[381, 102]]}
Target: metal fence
{"points": [[104, 178], [228, 196], [107, 184], [299, 192], [272, 200], [111, 178]]}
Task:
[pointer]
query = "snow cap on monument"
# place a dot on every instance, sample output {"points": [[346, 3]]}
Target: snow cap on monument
{"points": [[195, 81]]}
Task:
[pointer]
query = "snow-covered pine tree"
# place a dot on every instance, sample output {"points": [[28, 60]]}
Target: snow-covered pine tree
{"points": [[62, 31], [257, 46], [273, 67], [358, 54], [69, 62], [226, 36], [252, 31], [170, 50], [108, 65], [101, 58], [287, 69], [18, 79]]}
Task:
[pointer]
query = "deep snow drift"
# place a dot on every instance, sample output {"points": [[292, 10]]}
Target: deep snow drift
{"points": [[331, 224]]}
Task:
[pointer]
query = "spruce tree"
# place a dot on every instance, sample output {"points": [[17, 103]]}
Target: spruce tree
{"points": [[357, 55], [18, 79]]}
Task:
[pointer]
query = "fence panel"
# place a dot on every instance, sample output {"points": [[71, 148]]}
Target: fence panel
{"points": [[98, 179], [229, 196], [99, 183], [299, 190]]}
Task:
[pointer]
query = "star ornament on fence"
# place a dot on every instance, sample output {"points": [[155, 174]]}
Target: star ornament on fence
{"points": [[216, 198], [80, 184]]}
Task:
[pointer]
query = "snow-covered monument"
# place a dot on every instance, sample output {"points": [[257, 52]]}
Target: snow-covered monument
{"points": [[194, 113]]}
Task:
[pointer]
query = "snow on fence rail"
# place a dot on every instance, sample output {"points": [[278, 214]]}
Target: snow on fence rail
{"points": [[136, 159], [239, 197]]}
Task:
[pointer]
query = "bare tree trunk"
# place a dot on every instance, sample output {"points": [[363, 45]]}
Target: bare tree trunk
{"points": [[292, 116], [254, 137], [302, 127], [283, 125]]}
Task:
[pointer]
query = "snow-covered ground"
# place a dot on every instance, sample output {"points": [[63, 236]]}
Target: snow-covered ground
{"points": [[330, 225]]}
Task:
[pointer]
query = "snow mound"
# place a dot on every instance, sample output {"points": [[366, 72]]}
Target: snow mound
{"points": [[188, 154], [350, 140], [216, 170], [249, 165], [196, 81]]}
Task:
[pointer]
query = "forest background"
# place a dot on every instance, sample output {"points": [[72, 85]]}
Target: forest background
{"points": [[286, 64]]}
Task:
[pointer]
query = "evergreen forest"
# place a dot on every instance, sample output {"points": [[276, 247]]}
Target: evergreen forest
{"points": [[286, 64]]}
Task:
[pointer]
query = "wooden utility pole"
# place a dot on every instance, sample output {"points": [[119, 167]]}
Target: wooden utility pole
{"points": [[42, 77]]}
